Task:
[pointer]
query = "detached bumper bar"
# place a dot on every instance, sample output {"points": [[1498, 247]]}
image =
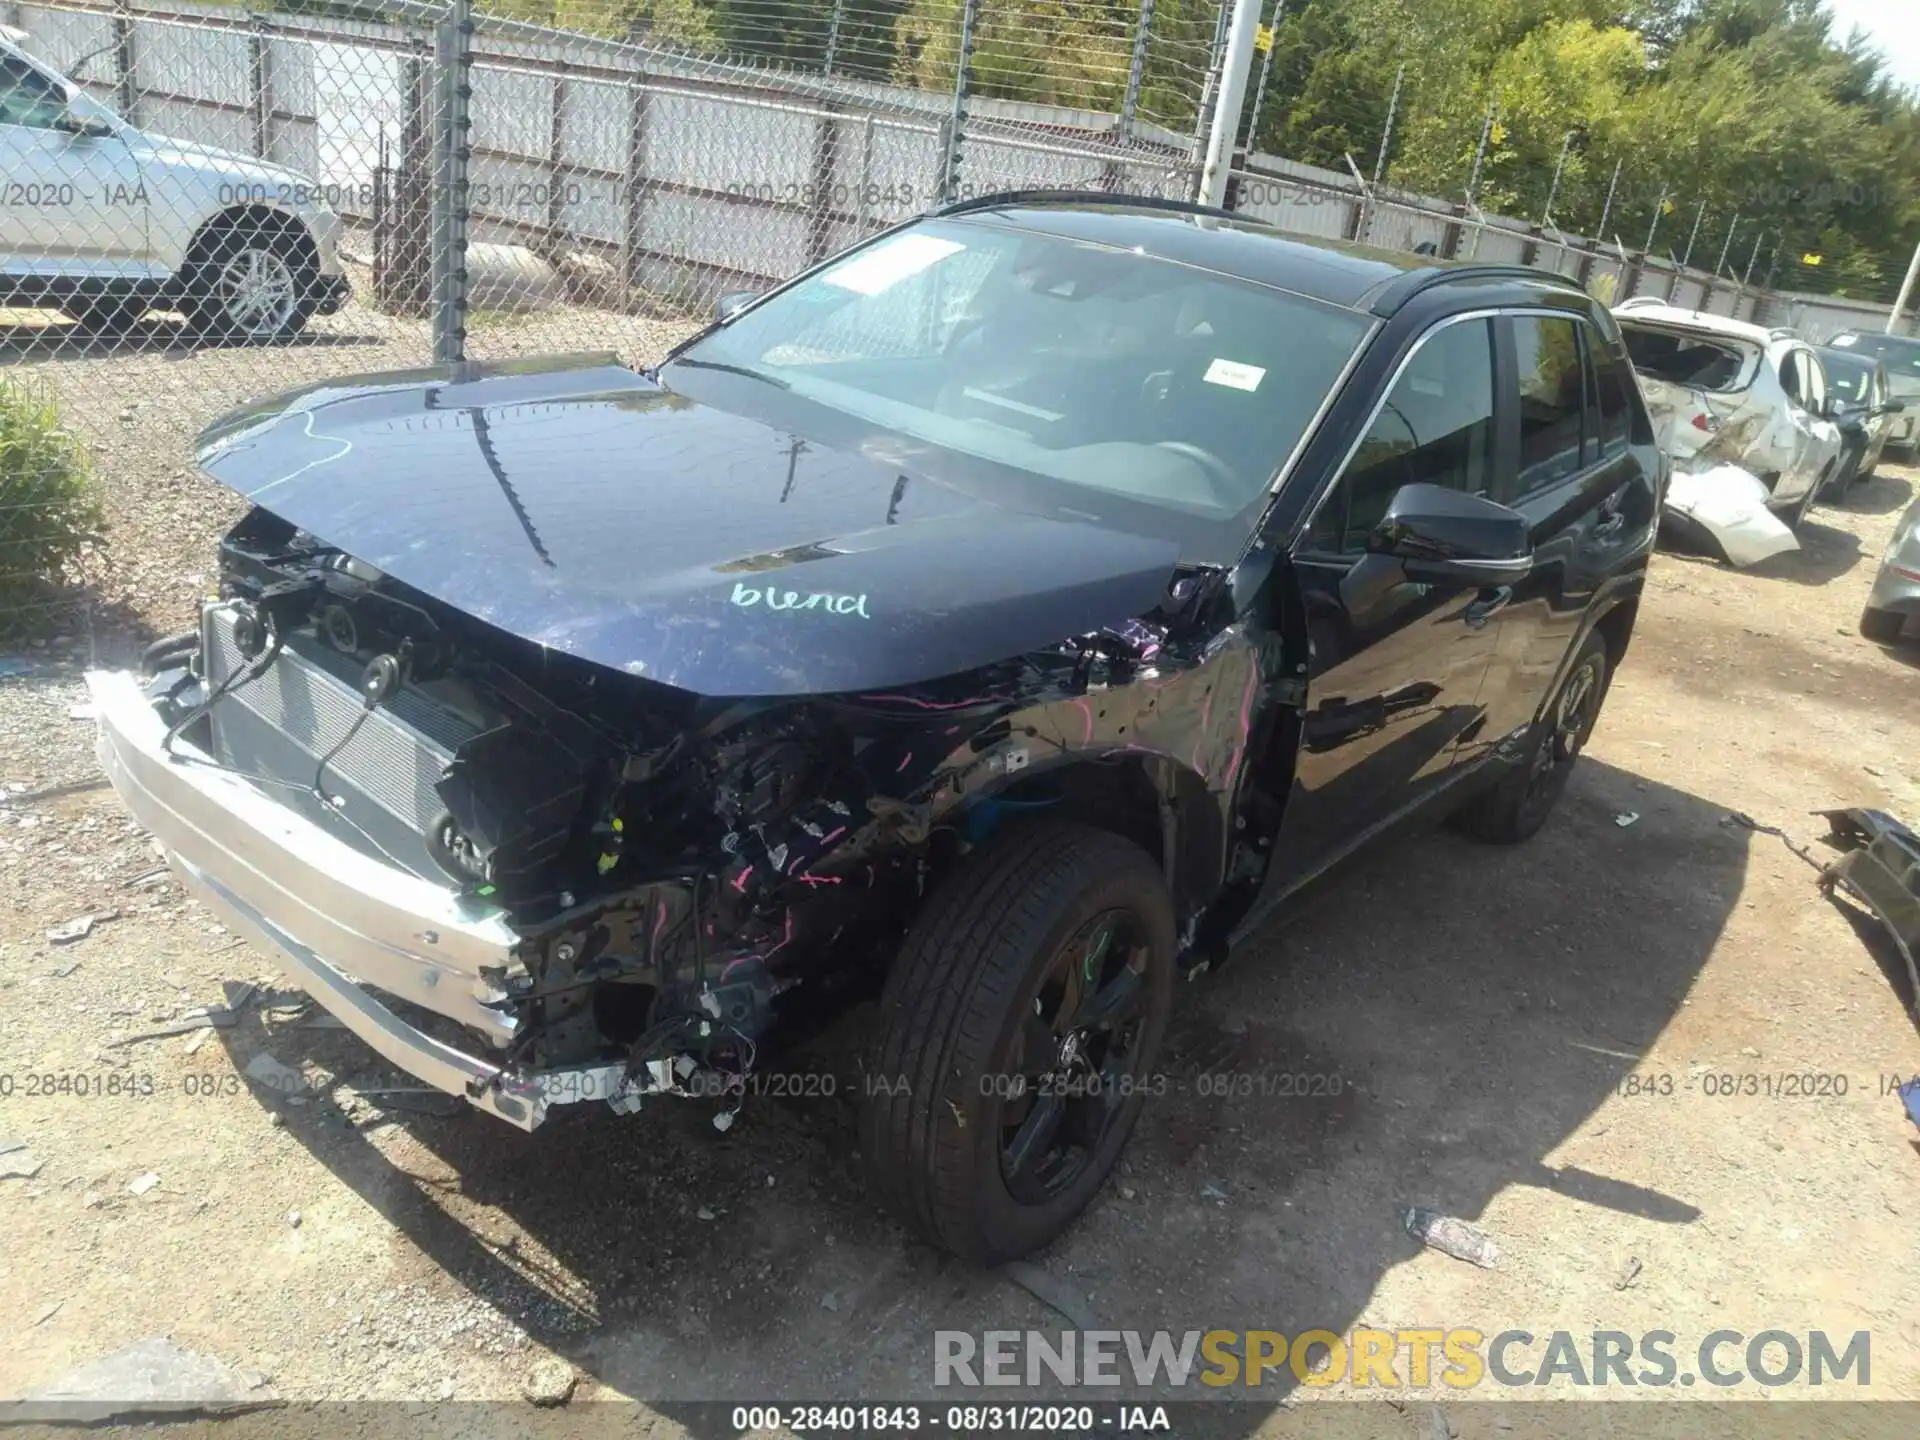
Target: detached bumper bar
{"points": [[289, 885]]}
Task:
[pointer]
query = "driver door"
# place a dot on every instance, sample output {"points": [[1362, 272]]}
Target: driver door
{"points": [[1395, 671], [68, 208]]}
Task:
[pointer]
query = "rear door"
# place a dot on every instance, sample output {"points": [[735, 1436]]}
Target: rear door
{"points": [[1589, 498], [1394, 672]]}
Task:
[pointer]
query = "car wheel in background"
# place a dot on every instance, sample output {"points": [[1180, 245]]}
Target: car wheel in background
{"points": [[251, 283], [1518, 805], [1017, 1037], [1881, 626], [104, 314]]}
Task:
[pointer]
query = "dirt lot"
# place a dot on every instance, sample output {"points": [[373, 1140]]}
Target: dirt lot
{"points": [[1482, 1010]]}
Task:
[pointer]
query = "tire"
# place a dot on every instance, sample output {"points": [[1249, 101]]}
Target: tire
{"points": [[980, 995], [1517, 805], [251, 283], [1883, 627], [104, 314]]}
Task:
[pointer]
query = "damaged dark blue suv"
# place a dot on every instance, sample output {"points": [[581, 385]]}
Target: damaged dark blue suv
{"points": [[999, 618]]}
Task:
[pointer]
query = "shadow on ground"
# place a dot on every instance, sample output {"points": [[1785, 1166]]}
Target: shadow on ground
{"points": [[32, 336], [1878, 494], [1424, 1028]]}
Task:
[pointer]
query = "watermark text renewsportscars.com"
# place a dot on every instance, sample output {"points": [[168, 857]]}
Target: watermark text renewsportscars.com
{"points": [[1416, 1358]]}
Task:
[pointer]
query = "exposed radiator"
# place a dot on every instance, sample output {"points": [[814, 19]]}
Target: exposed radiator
{"points": [[276, 729]]}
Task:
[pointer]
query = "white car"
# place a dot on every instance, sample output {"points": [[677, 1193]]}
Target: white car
{"points": [[1723, 391], [103, 220]]}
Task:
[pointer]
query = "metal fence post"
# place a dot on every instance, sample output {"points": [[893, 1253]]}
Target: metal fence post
{"points": [[126, 81], [633, 232], [556, 162], [1266, 68], [1216, 57], [822, 214], [1136, 72], [260, 85], [833, 36], [954, 132], [453, 63]]}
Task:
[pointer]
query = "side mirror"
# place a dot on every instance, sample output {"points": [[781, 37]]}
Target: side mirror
{"points": [[1893, 407], [731, 304], [87, 116], [1447, 537]]}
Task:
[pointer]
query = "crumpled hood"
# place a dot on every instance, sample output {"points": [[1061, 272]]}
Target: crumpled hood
{"points": [[584, 507]]}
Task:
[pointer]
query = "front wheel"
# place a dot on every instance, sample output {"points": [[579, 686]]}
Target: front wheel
{"points": [[1518, 805], [1018, 1033], [253, 284]]}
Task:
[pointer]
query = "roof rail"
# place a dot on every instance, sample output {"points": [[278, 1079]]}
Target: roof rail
{"points": [[1082, 197], [1394, 293]]}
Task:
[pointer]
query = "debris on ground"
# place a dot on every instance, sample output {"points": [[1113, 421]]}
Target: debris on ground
{"points": [[1626, 818], [293, 1219], [65, 968], [1880, 870], [19, 1164], [705, 1213], [830, 1302], [152, 1375], [141, 1184], [1451, 1236], [267, 1071], [1629, 1272], [80, 926], [1052, 1291], [549, 1383], [1213, 1192], [47, 1312]]}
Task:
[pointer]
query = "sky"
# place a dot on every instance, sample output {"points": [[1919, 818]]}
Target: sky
{"points": [[1893, 25]]}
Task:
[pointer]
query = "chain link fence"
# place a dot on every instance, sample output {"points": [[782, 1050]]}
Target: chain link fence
{"points": [[201, 203]]}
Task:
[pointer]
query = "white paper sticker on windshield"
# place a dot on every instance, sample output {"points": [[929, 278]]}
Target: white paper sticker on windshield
{"points": [[872, 271], [1234, 374]]}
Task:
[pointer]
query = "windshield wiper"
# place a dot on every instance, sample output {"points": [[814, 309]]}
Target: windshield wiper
{"points": [[730, 370]]}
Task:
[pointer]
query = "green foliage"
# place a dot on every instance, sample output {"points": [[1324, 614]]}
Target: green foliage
{"points": [[48, 510], [1790, 133], [1754, 107]]}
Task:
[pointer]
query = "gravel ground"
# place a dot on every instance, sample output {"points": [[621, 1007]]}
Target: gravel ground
{"points": [[1481, 1007]]}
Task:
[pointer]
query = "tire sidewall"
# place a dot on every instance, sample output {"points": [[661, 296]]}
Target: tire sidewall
{"points": [[998, 1214], [208, 317]]}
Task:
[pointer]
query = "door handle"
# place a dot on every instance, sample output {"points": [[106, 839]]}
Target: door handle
{"points": [[1609, 526], [1490, 603]]}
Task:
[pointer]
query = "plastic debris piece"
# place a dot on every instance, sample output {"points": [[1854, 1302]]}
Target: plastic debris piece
{"points": [[1630, 1269], [1050, 1290], [19, 1165], [142, 1184], [1452, 1236], [68, 931], [1626, 818], [266, 1071], [152, 1374]]}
